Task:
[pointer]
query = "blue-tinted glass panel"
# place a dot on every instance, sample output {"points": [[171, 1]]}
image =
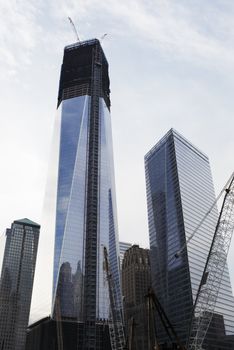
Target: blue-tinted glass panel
{"points": [[69, 238], [108, 234], [179, 193]]}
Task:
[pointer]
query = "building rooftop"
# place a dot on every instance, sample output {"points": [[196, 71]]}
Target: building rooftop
{"points": [[89, 42], [26, 222], [178, 136]]}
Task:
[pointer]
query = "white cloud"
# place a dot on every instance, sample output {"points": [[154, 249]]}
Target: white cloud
{"points": [[181, 29], [19, 32]]}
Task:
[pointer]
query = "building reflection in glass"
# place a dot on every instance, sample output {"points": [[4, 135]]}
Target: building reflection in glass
{"points": [[179, 193]]}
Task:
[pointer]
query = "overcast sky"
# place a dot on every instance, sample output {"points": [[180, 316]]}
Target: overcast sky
{"points": [[171, 65]]}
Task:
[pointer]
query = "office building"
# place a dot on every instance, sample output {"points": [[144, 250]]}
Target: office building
{"points": [[179, 193], [86, 210], [135, 284], [123, 246], [16, 283]]}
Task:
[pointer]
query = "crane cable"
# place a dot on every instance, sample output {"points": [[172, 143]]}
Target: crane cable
{"points": [[178, 253]]}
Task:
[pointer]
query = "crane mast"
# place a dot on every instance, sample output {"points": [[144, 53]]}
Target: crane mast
{"points": [[116, 330], [213, 272]]}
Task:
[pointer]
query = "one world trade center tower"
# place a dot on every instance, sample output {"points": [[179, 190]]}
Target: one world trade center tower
{"points": [[85, 220]]}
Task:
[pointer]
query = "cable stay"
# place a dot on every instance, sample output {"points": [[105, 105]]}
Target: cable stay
{"points": [[208, 290], [178, 253]]}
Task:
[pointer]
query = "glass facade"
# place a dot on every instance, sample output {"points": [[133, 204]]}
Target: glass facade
{"points": [[179, 193], [86, 210], [69, 239], [16, 283], [123, 246]]}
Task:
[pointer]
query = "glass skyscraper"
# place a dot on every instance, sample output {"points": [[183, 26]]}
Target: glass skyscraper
{"points": [[86, 210], [179, 193], [17, 282]]}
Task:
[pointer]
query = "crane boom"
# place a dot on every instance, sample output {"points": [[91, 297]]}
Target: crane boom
{"points": [[116, 330], [74, 29], [213, 272], [170, 330]]}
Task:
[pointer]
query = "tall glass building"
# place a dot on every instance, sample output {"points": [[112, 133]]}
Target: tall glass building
{"points": [[179, 193], [86, 210], [17, 282]]}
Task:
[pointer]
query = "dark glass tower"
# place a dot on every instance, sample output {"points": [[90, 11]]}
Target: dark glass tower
{"points": [[17, 282], [86, 210], [179, 193]]}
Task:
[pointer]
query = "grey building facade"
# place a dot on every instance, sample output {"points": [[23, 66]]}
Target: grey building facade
{"points": [[17, 282], [179, 193], [85, 218]]}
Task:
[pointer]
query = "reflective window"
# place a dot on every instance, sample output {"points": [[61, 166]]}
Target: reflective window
{"points": [[70, 237], [179, 193]]}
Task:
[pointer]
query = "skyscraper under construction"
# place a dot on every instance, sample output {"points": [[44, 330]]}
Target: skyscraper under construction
{"points": [[86, 210]]}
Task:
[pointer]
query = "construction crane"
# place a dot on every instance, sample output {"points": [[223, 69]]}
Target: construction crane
{"points": [[208, 290], [184, 246], [116, 329], [152, 338], [152, 300], [103, 37], [74, 29]]}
